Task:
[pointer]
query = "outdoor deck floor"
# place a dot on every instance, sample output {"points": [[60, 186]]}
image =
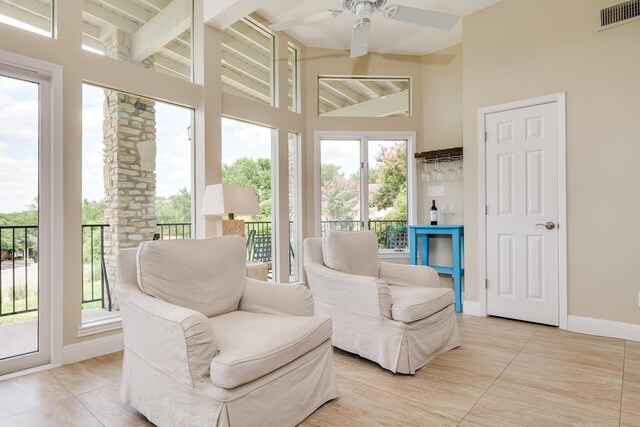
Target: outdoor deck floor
{"points": [[18, 338]]}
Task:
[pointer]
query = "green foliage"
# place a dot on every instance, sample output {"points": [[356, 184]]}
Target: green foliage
{"points": [[340, 195], [392, 175], [252, 173], [399, 209], [13, 241], [93, 214], [174, 209]]}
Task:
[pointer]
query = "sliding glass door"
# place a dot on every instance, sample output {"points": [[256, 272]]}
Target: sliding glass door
{"points": [[25, 324]]}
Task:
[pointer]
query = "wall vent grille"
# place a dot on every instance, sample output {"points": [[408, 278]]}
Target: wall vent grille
{"points": [[619, 13]]}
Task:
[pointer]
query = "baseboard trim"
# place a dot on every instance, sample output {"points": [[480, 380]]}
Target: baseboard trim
{"points": [[92, 348], [604, 328], [471, 307]]}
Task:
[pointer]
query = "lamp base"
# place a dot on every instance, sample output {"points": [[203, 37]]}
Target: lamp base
{"points": [[231, 226]]}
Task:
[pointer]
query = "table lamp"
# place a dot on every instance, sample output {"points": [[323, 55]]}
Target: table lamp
{"points": [[221, 199]]}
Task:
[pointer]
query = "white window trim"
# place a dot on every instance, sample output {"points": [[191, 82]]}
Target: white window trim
{"points": [[412, 194], [51, 224]]}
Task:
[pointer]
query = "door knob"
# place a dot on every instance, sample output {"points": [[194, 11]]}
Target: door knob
{"points": [[549, 225]]}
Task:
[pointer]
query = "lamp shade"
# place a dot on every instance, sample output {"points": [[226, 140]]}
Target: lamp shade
{"points": [[220, 199]]}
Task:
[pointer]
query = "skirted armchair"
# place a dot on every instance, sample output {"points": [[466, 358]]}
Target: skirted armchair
{"points": [[395, 315], [205, 346]]}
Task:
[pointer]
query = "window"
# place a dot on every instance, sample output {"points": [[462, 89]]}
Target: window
{"points": [[247, 61], [365, 184], [152, 34], [292, 70], [247, 153], [295, 232], [364, 96], [136, 182], [35, 16]]}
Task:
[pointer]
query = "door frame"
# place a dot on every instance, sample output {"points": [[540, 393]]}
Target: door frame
{"points": [[412, 191], [51, 210], [559, 100]]}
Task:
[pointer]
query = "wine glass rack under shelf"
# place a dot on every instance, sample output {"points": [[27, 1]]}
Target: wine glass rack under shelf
{"points": [[437, 156]]}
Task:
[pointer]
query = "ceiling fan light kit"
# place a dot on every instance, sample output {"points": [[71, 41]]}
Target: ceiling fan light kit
{"points": [[363, 9]]}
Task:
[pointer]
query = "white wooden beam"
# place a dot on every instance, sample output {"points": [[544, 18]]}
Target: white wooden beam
{"points": [[248, 85], [109, 17], [222, 13], [174, 20], [173, 66], [248, 54], [245, 69], [25, 17], [92, 43], [33, 6], [380, 107], [130, 10], [158, 5]]}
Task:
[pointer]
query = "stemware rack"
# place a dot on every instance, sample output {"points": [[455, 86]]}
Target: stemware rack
{"points": [[438, 156]]}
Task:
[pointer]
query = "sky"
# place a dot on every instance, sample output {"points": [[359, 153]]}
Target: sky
{"points": [[18, 144], [173, 148]]}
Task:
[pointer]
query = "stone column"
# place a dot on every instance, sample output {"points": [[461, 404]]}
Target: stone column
{"points": [[129, 174]]}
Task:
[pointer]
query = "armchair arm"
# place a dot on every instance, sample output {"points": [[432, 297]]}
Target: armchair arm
{"points": [[178, 340], [363, 295], [409, 275], [276, 298]]}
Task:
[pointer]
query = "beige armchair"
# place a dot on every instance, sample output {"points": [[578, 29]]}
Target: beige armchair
{"points": [[395, 315], [205, 346]]}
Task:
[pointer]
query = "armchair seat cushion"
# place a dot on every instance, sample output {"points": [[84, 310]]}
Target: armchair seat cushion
{"points": [[414, 303], [252, 345]]}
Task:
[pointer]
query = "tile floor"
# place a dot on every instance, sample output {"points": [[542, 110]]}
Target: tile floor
{"points": [[506, 373]]}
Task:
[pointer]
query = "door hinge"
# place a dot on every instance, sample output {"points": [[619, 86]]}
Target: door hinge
{"points": [[486, 283], [361, 165], [485, 136], [486, 209]]}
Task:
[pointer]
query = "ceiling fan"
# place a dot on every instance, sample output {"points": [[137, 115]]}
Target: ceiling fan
{"points": [[363, 9]]}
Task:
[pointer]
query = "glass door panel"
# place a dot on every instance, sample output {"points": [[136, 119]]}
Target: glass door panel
{"points": [[340, 169], [23, 335]]}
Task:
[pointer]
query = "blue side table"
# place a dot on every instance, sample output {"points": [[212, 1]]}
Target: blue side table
{"points": [[456, 271]]}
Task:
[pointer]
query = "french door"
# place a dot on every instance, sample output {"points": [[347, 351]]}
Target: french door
{"points": [[25, 153], [364, 183]]}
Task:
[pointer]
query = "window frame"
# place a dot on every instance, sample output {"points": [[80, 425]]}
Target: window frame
{"points": [[365, 137]]}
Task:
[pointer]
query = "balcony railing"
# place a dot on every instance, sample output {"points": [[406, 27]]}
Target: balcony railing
{"points": [[18, 269], [19, 258], [95, 281]]}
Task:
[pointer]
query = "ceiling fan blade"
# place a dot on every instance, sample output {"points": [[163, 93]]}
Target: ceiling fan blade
{"points": [[428, 18], [360, 38], [285, 25]]}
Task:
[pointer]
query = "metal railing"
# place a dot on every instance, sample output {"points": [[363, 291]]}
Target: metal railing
{"points": [[18, 255], [174, 230], [93, 259], [95, 280]]}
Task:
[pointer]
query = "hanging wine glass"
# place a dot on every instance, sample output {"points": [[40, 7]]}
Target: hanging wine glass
{"points": [[437, 174], [451, 171], [459, 171], [425, 174]]}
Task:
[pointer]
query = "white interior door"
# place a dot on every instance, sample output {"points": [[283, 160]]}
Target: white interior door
{"points": [[522, 213]]}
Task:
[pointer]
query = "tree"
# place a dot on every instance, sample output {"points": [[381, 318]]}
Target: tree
{"points": [[254, 173], [340, 195], [174, 209], [392, 175]]}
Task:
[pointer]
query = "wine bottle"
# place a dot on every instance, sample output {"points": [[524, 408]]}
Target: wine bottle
{"points": [[434, 213]]}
